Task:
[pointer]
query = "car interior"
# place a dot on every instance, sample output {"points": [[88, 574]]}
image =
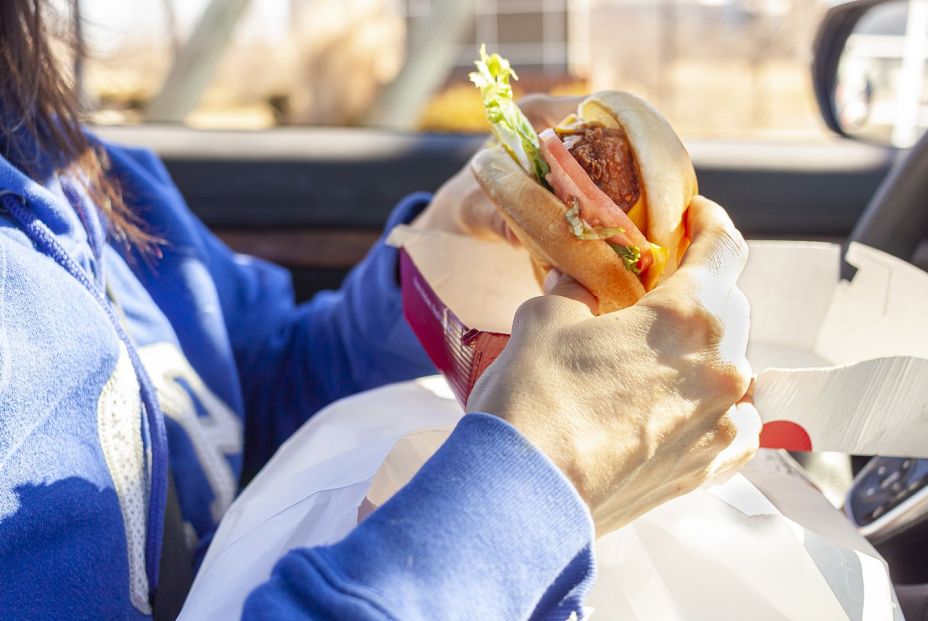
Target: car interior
{"points": [[314, 199]]}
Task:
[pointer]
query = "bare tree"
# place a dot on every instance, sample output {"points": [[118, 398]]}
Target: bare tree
{"points": [[170, 25], [196, 62], [428, 61]]}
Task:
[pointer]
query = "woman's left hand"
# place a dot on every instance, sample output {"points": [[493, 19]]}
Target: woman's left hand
{"points": [[461, 207]]}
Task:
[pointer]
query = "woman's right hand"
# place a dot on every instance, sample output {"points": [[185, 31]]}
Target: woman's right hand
{"points": [[644, 404]]}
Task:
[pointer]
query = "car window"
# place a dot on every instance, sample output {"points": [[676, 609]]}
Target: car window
{"points": [[728, 69]]}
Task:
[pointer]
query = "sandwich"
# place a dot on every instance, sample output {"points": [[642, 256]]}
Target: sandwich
{"points": [[601, 196]]}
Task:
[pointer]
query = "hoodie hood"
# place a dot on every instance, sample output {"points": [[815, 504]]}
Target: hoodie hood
{"points": [[61, 203]]}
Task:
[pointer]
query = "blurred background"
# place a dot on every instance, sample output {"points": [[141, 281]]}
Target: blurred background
{"points": [[717, 68]]}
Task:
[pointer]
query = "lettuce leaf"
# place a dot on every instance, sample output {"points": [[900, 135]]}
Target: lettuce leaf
{"points": [[582, 230], [630, 255], [509, 124]]}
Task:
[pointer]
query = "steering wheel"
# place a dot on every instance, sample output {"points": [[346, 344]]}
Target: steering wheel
{"points": [[888, 501], [896, 219]]}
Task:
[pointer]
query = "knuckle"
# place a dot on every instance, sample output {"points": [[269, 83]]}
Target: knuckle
{"points": [[730, 383], [706, 472], [688, 485], [669, 310], [691, 321], [731, 241], [531, 311], [706, 321], [725, 431], [545, 311]]}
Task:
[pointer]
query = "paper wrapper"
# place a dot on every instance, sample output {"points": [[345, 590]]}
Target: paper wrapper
{"points": [[843, 366], [762, 545]]}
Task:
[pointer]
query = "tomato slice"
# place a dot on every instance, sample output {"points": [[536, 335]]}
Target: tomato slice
{"points": [[568, 180]]}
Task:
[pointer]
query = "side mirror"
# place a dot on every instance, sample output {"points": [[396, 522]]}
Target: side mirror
{"points": [[869, 70]]}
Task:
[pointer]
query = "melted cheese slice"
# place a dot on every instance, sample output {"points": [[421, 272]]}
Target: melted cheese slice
{"points": [[639, 213], [653, 275]]}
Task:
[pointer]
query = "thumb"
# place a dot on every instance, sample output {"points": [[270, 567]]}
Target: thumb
{"points": [[558, 283]]}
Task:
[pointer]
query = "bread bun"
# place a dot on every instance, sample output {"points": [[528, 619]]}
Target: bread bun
{"points": [[666, 175], [537, 217]]}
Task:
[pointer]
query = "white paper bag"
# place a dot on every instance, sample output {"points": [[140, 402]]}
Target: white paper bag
{"points": [[724, 551]]}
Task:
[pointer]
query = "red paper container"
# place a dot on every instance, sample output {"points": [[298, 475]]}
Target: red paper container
{"points": [[460, 353]]}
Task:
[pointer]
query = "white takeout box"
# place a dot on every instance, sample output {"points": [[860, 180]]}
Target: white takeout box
{"points": [[842, 366]]}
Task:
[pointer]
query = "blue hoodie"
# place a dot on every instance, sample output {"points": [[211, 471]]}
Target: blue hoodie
{"points": [[110, 362]]}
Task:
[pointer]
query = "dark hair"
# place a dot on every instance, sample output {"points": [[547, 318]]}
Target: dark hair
{"points": [[37, 96]]}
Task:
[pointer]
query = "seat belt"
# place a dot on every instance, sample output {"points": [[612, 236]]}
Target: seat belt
{"points": [[175, 573]]}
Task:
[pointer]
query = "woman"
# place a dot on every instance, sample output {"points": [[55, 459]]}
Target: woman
{"points": [[135, 347]]}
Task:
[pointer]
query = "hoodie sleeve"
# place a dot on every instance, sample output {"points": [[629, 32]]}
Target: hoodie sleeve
{"points": [[488, 529], [294, 359]]}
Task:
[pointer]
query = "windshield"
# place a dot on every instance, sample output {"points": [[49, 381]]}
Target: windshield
{"points": [[729, 69]]}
